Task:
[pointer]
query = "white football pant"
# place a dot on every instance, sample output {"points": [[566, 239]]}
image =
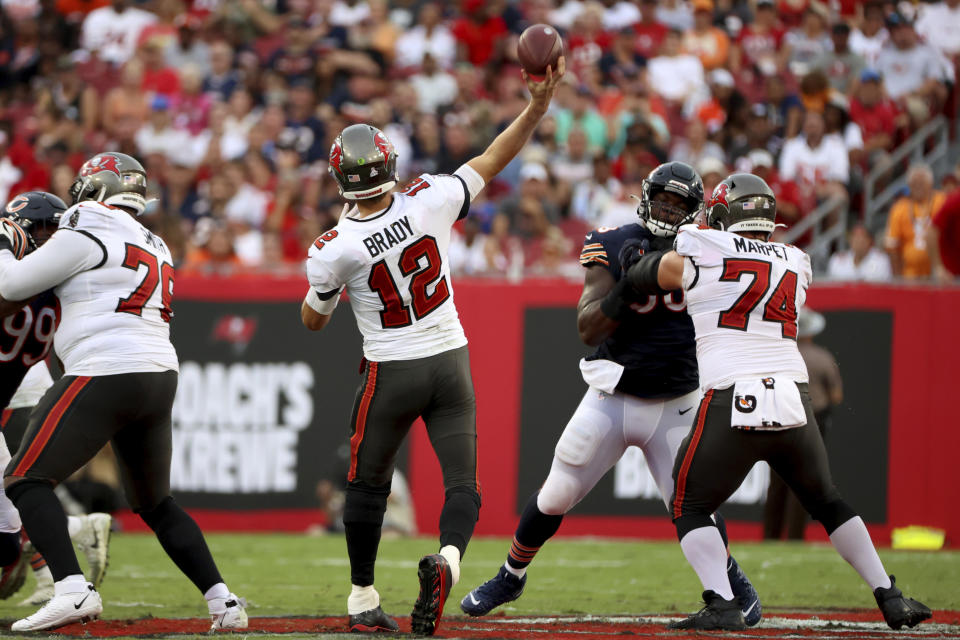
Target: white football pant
{"points": [[601, 429]]}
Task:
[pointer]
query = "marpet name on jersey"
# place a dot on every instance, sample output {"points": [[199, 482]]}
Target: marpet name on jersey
{"points": [[390, 236], [745, 244]]}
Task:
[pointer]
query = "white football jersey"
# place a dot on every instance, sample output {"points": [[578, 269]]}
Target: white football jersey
{"points": [[744, 296], [394, 266], [116, 315]]}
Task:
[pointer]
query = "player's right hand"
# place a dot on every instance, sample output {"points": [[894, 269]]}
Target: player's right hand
{"points": [[13, 238], [541, 93], [631, 252]]}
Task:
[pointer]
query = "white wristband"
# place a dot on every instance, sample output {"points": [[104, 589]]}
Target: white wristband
{"points": [[323, 307]]}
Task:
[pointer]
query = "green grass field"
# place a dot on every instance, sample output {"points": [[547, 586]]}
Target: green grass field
{"points": [[289, 575]]}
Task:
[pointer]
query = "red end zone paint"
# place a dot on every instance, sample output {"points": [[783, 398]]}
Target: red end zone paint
{"points": [[834, 625]]}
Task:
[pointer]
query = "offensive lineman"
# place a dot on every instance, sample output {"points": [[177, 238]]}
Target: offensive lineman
{"points": [[744, 293], [26, 334], [114, 281], [643, 382], [390, 252]]}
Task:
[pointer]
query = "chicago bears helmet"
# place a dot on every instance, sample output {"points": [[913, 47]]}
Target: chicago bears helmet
{"points": [[363, 162], [37, 213], [743, 202], [112, 178], [663, 218]]}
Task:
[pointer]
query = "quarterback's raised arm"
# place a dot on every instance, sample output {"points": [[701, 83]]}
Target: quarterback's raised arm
{"points": [[508, 144]]}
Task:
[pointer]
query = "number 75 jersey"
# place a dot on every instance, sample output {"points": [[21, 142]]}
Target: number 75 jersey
{"points": [[115, 315], [744, 296], [394, 266]]}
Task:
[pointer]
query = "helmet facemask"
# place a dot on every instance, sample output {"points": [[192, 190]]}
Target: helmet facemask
{"points": [[663, 217]]}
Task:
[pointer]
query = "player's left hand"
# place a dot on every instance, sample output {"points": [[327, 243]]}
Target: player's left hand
{"points": [[541, 93], [13, 238]]}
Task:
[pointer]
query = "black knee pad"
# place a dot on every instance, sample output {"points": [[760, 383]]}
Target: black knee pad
{"points": [[15, 490], [687, 523], [155, 516], [832, 514], [365, 504]]}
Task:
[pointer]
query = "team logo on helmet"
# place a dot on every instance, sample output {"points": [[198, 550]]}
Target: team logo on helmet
{"points": [[336, 156], [383, 144], [720, 195], [97, 164], [17, 204]]}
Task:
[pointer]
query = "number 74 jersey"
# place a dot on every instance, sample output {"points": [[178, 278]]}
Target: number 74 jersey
{"points": [[394, 266], [744, 296]]}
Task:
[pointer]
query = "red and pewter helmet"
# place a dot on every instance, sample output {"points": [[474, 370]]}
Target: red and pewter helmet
{"points": [[363, 162], [112, 178], [743, 202]]}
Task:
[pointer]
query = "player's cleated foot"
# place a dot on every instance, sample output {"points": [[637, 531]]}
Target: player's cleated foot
{"points": [[14, 575], [745, 593], [717, 614], [228, 613], [436, 580], [373, 621], [500, 589], [94, 541], [897, 610], [62, 609]]}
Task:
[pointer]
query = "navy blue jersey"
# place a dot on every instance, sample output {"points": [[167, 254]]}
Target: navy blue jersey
{"points": [[25, 340], [656, 345]]}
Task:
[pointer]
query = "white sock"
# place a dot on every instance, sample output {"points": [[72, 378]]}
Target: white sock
{"points": [[705, 552], [218, 590], [852, 541], [362, 599], [75, 583], [517, 572], [74, 526], [452, 554]]}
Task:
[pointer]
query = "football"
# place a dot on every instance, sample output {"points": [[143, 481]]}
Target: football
{"points": [[539, 47]]}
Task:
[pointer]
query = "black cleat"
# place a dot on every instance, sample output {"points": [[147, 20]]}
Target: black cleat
{"points": [[373, 621], [717, 614], [436, 580], [897, 610]]}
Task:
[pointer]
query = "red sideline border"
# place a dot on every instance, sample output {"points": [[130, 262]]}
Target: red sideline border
{"points": [[923, 434]]}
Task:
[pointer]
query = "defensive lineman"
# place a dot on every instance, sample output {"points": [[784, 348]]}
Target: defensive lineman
{"points": [[26, 335], [642, 383], [744, 293], [114, 281], [390, 252]]}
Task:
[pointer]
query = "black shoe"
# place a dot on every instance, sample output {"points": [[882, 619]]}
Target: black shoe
{"points": [[717, 614], [500, 589], [436, 580], [373, 621], [897, 610]]}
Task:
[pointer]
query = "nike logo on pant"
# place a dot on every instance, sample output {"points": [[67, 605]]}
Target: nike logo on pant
{"points": [[685, 410]]}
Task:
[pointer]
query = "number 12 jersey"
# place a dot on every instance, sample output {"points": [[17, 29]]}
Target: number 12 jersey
{"points": [[743, 296], [394, 266]]}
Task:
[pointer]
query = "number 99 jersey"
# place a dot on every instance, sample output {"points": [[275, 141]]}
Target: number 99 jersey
{"points": [[116, 312], [395, 268], [25, 339], [743, 296]]}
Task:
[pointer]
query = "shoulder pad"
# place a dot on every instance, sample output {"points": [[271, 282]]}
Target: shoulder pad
{"points": [[87, 215]]}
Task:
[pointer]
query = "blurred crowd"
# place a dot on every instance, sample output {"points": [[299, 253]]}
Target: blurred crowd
{"points": [[232, 106]]}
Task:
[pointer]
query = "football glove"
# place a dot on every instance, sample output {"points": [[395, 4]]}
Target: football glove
{"points": [[13, 238], [631, 252]]}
